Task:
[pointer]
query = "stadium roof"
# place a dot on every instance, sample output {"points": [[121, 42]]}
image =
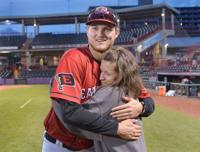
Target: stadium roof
{"points": [[69, 18]]}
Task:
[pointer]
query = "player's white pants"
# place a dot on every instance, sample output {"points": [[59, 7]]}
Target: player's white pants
{"points": [[51, 147]]}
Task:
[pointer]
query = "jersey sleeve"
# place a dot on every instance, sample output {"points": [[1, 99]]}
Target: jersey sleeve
{"points": [[67, 80], [148, 103], [144, 93]]}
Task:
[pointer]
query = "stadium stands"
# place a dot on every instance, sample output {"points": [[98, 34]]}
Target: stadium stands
{"points": [[127, 36], [189, 21], [43, 39], [12, 41], [37, 73], [5, 74], [177, 69]]}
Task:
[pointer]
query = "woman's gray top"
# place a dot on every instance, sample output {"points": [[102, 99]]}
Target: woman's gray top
{"points": [[102, 102]]}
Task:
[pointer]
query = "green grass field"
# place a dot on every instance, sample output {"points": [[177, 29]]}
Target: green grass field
{"points": [[21, 128]]}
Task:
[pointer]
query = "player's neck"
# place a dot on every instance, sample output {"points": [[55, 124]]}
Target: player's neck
{"points": [[96, 54]]}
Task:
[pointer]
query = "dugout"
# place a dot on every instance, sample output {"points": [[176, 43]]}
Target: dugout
{"points": [[174, 80]]}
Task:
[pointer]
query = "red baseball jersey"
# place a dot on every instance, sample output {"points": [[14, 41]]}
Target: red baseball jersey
{"points": [[76, 80]]}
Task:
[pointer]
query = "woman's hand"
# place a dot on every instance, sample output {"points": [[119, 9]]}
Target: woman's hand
{"points": [[131, 109]]}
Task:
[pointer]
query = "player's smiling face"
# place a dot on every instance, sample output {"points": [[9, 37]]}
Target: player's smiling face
{"points": [[101, 36]]}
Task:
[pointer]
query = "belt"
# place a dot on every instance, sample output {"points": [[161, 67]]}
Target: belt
{"points": [[55, 141]]}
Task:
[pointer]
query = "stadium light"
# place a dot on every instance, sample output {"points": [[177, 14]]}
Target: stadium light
{"points": [[7, 22], [162, 14], [5, 52], [139, 48], [166, 45]]}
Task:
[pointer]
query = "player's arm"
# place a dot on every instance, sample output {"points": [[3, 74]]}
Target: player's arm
{"points": [[78, 115], [148, 106], [147, 103], [101, 103]]}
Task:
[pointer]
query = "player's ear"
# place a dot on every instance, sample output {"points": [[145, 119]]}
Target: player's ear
{"points": [[117, 32], [87, 28]]}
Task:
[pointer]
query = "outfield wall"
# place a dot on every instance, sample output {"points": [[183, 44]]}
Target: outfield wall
{"points": [[25, 81], [189, 90]]}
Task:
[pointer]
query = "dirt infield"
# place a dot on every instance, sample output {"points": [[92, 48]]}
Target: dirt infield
{"points": [[5, 87], [189, 106]]}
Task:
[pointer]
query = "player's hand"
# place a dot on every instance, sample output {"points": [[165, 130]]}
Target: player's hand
{"points": [[131, 109], [129, 130]]}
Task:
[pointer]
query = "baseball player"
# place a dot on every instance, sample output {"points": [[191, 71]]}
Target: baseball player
{"points": [[76, 80]]}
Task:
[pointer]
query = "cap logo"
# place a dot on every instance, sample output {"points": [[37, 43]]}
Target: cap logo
{"points": [[102, 9]]}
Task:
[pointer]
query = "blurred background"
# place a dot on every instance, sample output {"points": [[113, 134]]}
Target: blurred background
{"points": [[164, 35]]}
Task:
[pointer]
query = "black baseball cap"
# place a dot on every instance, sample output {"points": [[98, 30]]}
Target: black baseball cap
{"points": [[103, 14]]}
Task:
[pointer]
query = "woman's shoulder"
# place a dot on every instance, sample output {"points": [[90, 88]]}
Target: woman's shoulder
{"points": [[109, 90], [108, 87]]}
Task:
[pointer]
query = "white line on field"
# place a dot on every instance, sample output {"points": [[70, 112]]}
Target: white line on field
{"points": [[27, 102]]}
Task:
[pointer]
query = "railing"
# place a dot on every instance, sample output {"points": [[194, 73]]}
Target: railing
{"points": [[186, 89], [189, 90]]}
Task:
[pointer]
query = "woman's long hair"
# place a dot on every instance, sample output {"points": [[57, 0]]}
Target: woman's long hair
{"points": [[127, 69]]}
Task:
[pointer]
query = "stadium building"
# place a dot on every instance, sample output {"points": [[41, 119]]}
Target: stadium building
{"points": [[165, 41]]}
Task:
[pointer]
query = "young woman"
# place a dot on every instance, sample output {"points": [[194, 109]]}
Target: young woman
{"points": [[119, 77]]}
